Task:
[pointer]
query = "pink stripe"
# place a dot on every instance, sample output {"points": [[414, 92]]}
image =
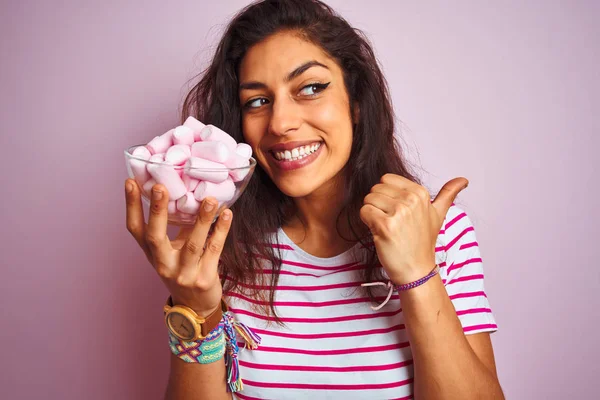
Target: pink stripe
{"points": [[329, 335], [279, 385], [241, 396], [281, 246], [438, 249], [318, 320], [305, 368], [456, 239], [304, 288], [467, 245], [478, 327], [404, 398], [466, 278], [474, 311], [454, 220], [354, 350], [462, 264], [314, 304], [467, 295]]}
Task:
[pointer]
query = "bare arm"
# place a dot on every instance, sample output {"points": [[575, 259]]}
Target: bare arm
{"points": [[447, 364], [197, 381]]}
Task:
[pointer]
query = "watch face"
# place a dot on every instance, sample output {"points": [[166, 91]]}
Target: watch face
{"points": [[181, 326]]}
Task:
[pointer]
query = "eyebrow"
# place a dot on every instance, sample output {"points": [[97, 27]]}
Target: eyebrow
{"points": [[295, 73]]}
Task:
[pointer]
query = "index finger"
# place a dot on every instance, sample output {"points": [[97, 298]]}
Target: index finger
{"points": [[156, 233], [135, 214]]}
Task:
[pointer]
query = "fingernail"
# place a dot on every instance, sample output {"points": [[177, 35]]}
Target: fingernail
{"points": [[157, 194], [129, 187], [226, 215], [208, 206]]}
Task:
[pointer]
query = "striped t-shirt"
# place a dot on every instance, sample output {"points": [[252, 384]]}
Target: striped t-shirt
{"points": [[333, 345]]}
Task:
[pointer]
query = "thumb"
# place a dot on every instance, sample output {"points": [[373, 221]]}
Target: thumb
{"points": [[447, 194]]}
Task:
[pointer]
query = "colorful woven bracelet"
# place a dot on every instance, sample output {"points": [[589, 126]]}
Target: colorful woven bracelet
{"points": [[206, 351], [418, 282], [221, 341]]}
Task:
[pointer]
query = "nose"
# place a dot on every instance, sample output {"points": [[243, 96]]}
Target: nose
{"points": [[285, 117]]}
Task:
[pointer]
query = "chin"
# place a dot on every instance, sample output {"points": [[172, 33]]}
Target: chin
{"points": [[296, 188]]}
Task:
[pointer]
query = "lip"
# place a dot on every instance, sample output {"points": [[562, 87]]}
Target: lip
{"points": [[292, 145], [292, 165]]}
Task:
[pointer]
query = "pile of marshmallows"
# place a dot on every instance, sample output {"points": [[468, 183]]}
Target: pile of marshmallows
{"points": [[192, 162]]}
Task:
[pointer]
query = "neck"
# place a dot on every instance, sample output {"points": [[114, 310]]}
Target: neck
{"points": [[315, 223]]}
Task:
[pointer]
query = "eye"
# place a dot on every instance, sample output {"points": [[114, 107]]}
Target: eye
{"points": [[313, 88], [255, 103]]}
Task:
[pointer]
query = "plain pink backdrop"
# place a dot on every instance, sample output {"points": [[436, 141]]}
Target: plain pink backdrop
{"points": [[503, 93]]}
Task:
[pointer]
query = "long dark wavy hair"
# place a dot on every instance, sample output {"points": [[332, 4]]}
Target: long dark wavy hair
{"points": [[263, 208]]}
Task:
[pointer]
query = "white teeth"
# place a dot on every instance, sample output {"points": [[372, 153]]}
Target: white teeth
{"points": [[297, 153]]}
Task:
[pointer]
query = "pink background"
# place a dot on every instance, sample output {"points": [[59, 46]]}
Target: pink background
{"points": [[503, 94]]}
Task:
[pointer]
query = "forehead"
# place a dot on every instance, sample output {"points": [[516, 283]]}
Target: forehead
{"points": [[279, 54]]}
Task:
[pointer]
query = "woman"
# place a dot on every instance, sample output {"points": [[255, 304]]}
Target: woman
{"points": [[332, 206]]}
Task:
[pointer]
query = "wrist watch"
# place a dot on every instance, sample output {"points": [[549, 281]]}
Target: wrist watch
{"points": [[185, 324]]}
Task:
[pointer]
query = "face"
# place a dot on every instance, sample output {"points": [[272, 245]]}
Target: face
{"points": [[295, 114]]}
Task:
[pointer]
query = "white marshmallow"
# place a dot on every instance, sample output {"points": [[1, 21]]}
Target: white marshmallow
{"points": [[195, 125], [161, 143], [223, 191], [172, 207], [183, 135], [138, 167], [188, 204], [211, 133], [212, 151], [244, 150], [178, 154], [190, 183], [166, 175], [202, 169], [147, 188]]}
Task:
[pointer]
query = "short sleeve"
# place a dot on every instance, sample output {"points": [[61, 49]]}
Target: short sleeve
{"points": [[461, 270]]}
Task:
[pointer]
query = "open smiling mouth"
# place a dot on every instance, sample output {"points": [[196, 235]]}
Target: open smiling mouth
{"points": [[297, 158]]}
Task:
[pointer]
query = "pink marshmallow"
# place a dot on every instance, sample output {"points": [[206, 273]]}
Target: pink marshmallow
{"points": [[244, 150], [157, 158], [237, 161], [211, 133], [178, 154], [161, 143], [183, 135], [138, 167], [238, 175], [147, 188], [166, 175], [196, 126], [202, 169], [212, 151], [172, 207], [223, 191], [190, 183], [188, 204]]}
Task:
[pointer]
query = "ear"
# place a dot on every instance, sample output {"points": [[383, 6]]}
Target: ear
{"points": [[355, 113]]}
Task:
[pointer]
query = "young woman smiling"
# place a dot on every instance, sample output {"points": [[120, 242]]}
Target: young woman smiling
{"points": [[331, 210]]}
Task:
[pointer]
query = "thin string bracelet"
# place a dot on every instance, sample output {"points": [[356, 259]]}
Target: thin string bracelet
{"points": [[403, 287]]}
